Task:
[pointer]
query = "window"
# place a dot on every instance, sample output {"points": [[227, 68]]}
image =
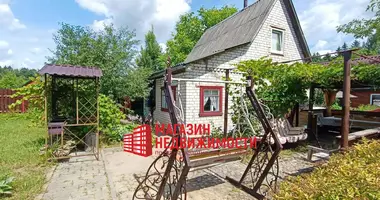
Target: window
{"points": [[375, 99], [164, 105], [211, 101], [277, 41]]}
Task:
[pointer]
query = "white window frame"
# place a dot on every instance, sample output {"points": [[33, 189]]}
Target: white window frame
{"points": [[282, 42], [370, 100]]}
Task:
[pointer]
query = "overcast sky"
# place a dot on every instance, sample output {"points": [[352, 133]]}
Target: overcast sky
{"points": [[26, 26]]}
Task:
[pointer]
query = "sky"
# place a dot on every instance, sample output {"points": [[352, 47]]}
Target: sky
{"points": [[27, 26]]}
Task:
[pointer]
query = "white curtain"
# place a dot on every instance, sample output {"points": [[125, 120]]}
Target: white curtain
{"points": [[213, 102]]}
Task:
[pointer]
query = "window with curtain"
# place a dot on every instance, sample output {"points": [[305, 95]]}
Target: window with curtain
{"points": [[211, 101], [277, 41]]}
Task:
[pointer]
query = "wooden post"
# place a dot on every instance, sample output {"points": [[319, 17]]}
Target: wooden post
{"points": [[310, 112], [226, 103], [97, 83], [346, 99], [77, 100], [46, 110], [297, 114]]}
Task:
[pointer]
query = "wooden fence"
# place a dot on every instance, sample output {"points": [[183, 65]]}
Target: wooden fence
{"points": [[6, 100]]}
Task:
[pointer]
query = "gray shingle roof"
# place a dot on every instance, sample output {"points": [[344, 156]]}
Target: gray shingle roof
{"points": [[238, 29]]}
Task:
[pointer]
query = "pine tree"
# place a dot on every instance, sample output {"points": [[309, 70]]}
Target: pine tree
{"points": [[344, 46], [151, 55], [355, 44]]}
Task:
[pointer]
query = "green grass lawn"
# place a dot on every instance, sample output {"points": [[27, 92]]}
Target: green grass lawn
{"points": [[20, 141]]}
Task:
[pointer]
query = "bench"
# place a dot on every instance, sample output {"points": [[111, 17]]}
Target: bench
{"points": [[313, 149], [369, 133], [289, 133]]}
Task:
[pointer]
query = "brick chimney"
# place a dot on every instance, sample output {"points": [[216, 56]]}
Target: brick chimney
{"points": [[245, 3]]}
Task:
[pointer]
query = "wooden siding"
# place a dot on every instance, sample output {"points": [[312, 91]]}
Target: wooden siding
{"points": [[363, 97]]}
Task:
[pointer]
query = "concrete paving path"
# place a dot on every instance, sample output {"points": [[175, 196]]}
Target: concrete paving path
{"points": [[112, 178]]}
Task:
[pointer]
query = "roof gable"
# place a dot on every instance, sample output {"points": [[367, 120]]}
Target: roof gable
{"points": [[241, 28]]}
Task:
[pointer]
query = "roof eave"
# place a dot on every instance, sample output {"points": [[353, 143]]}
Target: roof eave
{"points": [[175, 70], [298, 28]]}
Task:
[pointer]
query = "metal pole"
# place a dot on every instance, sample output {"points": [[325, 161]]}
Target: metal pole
{"points": [[346, 99], [226, 103]]}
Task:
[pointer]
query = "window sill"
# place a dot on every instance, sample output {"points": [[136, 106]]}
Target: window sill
{"points": [[210, 114], [277, 53]]}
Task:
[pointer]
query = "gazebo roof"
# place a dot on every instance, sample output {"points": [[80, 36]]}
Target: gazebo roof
{"points": [[72, 71]]}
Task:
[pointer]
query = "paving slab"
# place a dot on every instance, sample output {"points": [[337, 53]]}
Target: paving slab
{"points": [[115, 176]]}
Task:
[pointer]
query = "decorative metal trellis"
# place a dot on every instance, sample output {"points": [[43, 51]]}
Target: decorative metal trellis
{"points": [[166, 176], [71, 110]]}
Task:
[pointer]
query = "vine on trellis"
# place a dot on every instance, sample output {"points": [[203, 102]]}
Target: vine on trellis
{"points": [[284, 85]]}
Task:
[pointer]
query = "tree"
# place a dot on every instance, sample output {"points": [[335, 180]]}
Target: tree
{"points": [[355, 44], [366, 28], [112, 50], [9, 80], [151, 55], [344, 46], [190, 28]]}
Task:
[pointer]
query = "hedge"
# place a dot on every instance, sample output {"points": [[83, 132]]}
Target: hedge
{"points": [[352, 175]]}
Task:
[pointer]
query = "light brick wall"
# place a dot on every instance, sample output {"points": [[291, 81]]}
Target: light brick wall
{"points": [[210, 68], [162, 116]]}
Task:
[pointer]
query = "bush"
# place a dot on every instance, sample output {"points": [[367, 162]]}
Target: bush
{"points": [[353, 175], [110, 116], [367, 107]]}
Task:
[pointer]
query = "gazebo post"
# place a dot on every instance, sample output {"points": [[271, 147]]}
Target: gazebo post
{"points": [[98, 118], [346, 99], [46, 117], [310, 112]]}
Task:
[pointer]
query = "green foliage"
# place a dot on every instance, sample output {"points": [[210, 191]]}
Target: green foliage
{"points": [[124, 129], [284, 85], [5, 186], [353, 175], [190, 28], [34, 94], [112, 50], [366, 28], [367, 107], [151, 56], [138, 83], [336, 106], [110, 116], [9, 80]]}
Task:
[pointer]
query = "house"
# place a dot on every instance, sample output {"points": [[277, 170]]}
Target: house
{"points": [[265, 28], [365, 96]]}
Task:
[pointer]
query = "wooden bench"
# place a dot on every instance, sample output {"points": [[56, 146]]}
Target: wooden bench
{"points": [[355, 136], [313, 149]]}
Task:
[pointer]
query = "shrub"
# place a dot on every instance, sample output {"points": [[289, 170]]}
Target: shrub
{"points": [[367, 107], [352, 175], [110, 116]]}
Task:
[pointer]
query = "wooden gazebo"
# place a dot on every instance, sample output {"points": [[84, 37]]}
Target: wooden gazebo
{"points": [[72, 110]]}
